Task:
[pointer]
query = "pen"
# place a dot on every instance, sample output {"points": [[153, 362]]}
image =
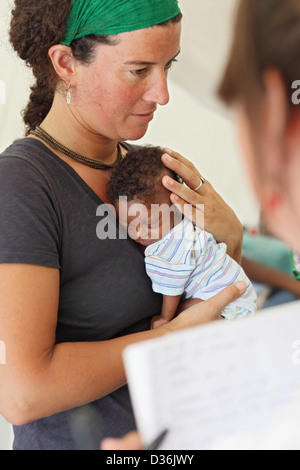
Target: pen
{"points": [[158, 441]]}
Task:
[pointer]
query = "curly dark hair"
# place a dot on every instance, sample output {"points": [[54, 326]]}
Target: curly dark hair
{"points": [[139, 175], [37, 25]]}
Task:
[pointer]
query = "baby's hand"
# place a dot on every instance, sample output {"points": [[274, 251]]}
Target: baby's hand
{"points": [[158, 321]]}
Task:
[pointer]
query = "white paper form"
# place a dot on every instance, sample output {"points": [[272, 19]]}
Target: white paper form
{"points": [[221, 385]]}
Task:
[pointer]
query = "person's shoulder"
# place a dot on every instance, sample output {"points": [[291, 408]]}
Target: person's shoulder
{"points": [[24, 166], [27, 149], [27, 156], [18, 152]]}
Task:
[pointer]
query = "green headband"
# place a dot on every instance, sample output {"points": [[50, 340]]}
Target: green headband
{"points": [[116, 16]]}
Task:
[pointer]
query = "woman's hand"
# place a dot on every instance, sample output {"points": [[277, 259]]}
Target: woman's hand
{"points": [[207, 311], [220, 219], [198, 312]]}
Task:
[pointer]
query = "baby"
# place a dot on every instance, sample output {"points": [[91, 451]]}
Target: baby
{"points": [[183, 261]]}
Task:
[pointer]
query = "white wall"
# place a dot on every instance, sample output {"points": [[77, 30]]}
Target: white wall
{"points": [[194, 123], [6, 435], [16, 77]]}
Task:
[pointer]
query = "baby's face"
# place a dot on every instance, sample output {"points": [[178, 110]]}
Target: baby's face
{"points": [[146, 223]]}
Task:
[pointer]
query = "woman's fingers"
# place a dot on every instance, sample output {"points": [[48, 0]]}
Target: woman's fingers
{"points": [[182, 167], [210, 310], [225, 297], [194, 213], [179, 157], [189, 203], [189, 196]]}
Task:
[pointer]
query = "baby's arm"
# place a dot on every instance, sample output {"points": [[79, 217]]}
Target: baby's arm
{"points": [[169, 308]]}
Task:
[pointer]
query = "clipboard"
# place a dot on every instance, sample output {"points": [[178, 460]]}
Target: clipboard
{"points": [[226, 385]]}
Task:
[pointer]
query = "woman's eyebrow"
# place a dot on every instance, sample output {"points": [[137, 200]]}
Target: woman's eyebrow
{"points": [[143, 63]]}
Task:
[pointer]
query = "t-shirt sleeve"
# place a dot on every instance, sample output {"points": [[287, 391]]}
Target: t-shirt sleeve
{"points": [[29, 222]]}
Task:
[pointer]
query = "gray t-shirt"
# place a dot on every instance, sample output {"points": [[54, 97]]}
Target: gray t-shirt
{"points": [[48, 218]]}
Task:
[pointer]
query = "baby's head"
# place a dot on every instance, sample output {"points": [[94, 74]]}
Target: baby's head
{"points": [[142, 202]]}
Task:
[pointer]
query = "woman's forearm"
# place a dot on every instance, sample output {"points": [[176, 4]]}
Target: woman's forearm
{"points": [[71, 375]]}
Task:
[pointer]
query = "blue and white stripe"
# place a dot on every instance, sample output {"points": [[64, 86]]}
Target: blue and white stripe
{"points": [[188, 261]]}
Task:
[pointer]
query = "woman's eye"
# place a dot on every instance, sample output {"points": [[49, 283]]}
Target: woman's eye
{"points": [[143, 72], [140, 72], [169, 65]]}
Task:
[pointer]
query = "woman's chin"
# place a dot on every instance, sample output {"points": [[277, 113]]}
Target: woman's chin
{"points": [[135, 134]]}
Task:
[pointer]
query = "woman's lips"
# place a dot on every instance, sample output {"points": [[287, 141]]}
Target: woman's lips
{"points": [[144, 117]]}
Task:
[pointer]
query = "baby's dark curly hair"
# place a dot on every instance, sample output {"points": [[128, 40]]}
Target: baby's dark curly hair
{"points": [[139, 175]]}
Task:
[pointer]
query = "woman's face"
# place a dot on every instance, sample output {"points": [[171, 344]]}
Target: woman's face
{"points": [[117, 95]]}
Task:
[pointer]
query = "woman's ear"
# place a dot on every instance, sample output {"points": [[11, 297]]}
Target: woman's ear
{"points": [[63, 62]]}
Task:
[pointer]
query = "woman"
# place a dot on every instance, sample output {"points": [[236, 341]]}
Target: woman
{"points": [[259, 81], [70, 302]]}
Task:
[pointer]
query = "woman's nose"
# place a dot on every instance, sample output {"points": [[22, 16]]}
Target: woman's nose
{"points": [[158, 92]]}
